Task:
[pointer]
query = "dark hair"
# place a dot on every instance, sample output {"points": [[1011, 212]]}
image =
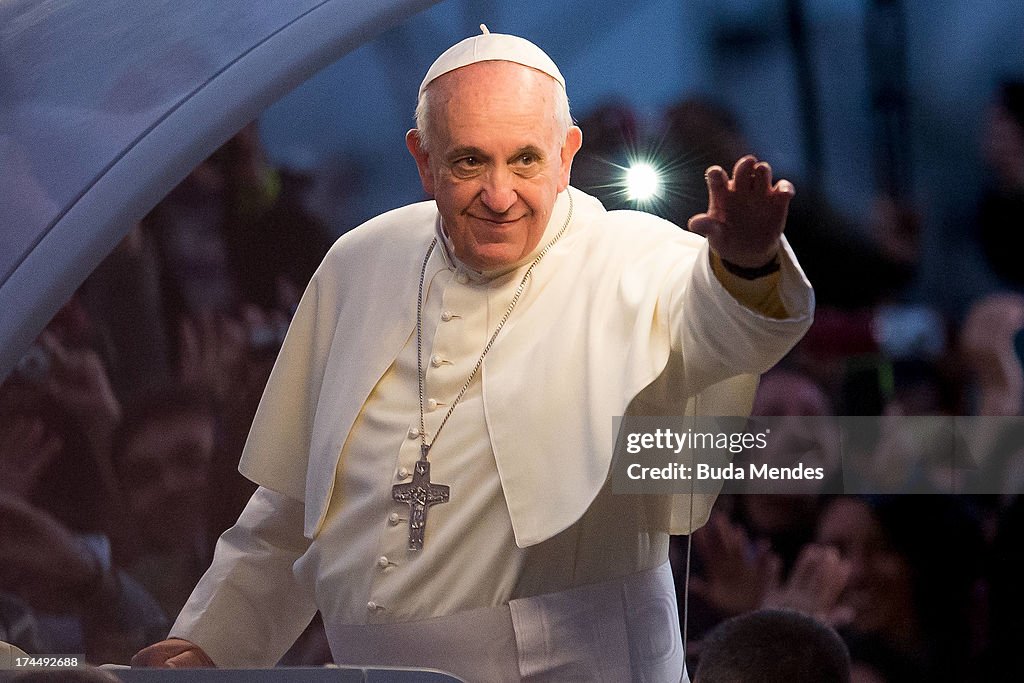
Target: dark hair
{"points": [[773, 645]]}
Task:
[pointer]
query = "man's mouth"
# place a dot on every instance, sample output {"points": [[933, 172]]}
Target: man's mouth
{"points": [[496, 221]]}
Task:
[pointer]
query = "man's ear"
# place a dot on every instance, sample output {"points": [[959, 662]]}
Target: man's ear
{"points": [[422, 157], [572, 144]]}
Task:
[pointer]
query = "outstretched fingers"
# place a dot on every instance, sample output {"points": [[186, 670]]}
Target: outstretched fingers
{"points": [[743, 173], [718, 188], [784, 187], [746, 212], [751, 176], [762, 177], [781, 194], [717, 180]]}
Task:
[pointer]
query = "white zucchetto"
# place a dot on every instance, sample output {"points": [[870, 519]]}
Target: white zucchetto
{"points": [[492, 47]]}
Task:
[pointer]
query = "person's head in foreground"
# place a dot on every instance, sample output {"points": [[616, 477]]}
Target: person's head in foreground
{"points": [[773, 646], [493, 144]]}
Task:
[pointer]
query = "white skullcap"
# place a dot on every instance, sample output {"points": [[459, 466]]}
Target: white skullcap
{"points": [[492, 47]]}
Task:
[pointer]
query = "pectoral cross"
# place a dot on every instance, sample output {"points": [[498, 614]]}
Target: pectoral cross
{"points": [[419, 495]]}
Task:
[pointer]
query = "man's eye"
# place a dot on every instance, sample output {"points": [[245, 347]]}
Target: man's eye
{"points": [[467, 163], [527, 159]]}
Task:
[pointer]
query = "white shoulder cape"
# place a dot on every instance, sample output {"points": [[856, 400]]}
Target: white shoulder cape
{"points": [[623, 307]]}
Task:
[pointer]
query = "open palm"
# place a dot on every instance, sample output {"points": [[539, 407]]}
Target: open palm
{"points": [[746, 213]]}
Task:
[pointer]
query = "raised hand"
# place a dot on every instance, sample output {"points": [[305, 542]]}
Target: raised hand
{"points": [[987, 344], [737, 573], [78, 382], [746, 213], [41, 560], [814, 586], [213, 354]]}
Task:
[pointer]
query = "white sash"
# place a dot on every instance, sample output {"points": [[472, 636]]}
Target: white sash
{"points": [[625, 629]]}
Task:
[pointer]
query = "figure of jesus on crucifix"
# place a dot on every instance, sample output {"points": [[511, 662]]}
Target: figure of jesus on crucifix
{"points": [[419, 494]]}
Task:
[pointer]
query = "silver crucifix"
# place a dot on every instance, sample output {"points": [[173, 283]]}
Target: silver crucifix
{"points": [[419, 495]]}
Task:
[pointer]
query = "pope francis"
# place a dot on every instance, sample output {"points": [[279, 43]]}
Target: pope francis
{"points": [[433, 447]]}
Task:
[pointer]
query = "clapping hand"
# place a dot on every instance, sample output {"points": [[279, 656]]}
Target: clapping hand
{"points": [[746, 213], [815, 585], [741, 576], [78, 383], [737, 573]]}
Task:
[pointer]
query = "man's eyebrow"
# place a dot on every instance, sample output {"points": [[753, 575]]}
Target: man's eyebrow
{"points": [[460, 152], [527, 149]]}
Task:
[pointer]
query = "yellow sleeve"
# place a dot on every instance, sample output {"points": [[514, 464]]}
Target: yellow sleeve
{"points": [[760, 295]]}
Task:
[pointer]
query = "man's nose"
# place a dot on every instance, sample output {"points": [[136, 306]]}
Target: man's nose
{"points": [[499, 193]]}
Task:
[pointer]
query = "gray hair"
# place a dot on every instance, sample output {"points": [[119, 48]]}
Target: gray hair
{"points": [[563, 117]]}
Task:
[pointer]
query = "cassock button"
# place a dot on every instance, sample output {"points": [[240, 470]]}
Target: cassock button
{"points": [[403, 473], [461, 278], [371, 605], [394, 519], [413, 432], [383, 561], [436, 360], [446, 316], [431, 404]]}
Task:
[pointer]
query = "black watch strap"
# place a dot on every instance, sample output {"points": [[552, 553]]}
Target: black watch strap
{"points": [[772, 266]]}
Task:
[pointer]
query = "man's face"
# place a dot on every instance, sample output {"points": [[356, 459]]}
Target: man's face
{"points": [[165, 466], [497, 159]]}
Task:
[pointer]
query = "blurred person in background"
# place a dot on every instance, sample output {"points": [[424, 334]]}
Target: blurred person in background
{"points": [[992, 347], [612, 132], [764, 556], [235, 231], [788, 521], [1001, 210], [912, 591], [58, 508], [1006, 566], [163, 454]]}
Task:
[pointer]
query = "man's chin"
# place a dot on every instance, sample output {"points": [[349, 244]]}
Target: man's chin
{"points": [[494, 257]]}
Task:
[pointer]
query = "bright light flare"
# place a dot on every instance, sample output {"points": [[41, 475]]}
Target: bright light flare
{"points": [[647, 179], [643, 182]]}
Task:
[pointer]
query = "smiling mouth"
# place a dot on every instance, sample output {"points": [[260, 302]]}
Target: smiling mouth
{"points": [[496, 221]]}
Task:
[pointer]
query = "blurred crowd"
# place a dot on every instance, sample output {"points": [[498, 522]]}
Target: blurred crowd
{"points": [[121, 428], [920, 587]]}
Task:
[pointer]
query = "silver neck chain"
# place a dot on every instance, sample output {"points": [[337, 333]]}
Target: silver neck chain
{"points": [[424, 446]]}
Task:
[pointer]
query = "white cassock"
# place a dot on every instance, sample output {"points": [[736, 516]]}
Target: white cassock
{"points": [[533, 570]]}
